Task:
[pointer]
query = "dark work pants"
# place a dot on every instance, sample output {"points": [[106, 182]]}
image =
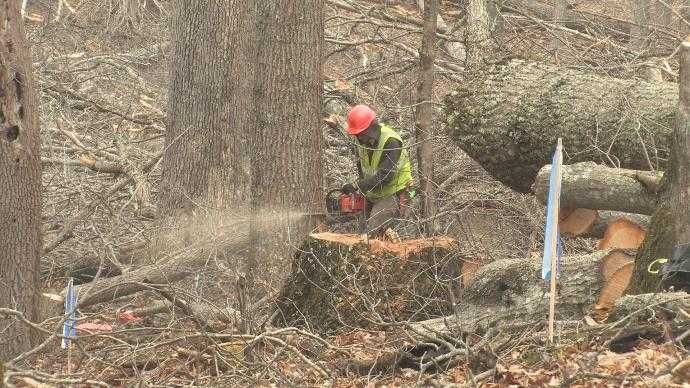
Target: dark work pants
{"points": [[385, 213]]}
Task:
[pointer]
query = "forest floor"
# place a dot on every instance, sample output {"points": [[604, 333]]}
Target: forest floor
{"points": [[103, 77]]}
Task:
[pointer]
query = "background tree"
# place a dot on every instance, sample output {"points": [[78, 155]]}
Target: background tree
{"points": [[245, 114], [210, 109], [559, 16], [640, 33], [20, 179], [424, 113], [477, 34]]}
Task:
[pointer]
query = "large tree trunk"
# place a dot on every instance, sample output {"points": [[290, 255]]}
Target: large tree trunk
{"points": [[669, 224], [592, 186], [287, 143], [206, 160], [509, 117], [20, 179]]}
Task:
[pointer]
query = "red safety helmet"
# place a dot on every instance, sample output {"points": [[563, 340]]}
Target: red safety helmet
{"points": [[359, 118]]}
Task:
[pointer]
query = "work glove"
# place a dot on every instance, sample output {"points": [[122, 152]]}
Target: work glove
{"points": [[349, 188]]}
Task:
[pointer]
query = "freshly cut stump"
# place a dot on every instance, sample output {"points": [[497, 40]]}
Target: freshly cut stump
{"points": [[341, 280]]}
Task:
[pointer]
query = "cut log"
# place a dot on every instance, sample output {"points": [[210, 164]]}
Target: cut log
{"points": [[509, 118], [613, 289], [615, 261], [341, 280], [605, 218], [593, 223], [593, 186], [639, 309], [577, 222], [511, 290], [622, 234], [469, 272]]}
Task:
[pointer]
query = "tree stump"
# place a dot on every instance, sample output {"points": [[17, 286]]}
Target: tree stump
{"points": [[340, 280]]}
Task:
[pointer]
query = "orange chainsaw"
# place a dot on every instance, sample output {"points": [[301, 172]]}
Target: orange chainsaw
{"points": [[341, 204]]}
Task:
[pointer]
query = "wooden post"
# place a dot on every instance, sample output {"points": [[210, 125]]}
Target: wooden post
{"points": [[554, 238]]}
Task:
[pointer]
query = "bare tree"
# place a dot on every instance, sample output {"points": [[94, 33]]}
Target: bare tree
{"points": [[640, 32], [206, 161], [20, 179], [670, 224], [424, 113], [477, 33]]}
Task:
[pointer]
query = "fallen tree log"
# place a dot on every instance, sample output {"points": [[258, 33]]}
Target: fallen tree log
{"points": [[511, 290], [340, 280], [593, 186], [532, 308], [509, 117]]}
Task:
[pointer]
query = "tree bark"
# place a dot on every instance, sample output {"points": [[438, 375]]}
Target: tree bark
{"points": [[478, 34], [669, 224], [510, 290], [509, 117], [287, 143], [210, 109], [339, 281], [680, 200], [425, 119], [592, 186], [20, 179], [605, 218]]}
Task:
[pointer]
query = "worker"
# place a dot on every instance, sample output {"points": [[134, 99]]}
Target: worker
{"points": [[384, 169]]}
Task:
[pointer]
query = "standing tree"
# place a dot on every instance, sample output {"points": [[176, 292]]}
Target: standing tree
{"points": [[477, 34], [244, 129], [669, 225], [559, 15], [640, 31], [424, 113], [20, 179], [206, 161], [286, 144]]}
